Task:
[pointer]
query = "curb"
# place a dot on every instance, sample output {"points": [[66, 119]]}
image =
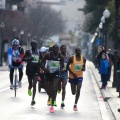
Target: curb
{"points": [[114, 106]]}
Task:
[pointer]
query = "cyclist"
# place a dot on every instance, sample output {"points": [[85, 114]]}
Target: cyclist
{"points": [[33, 58], [15, 55], [76, 66], [55, 62], [63, 75]]}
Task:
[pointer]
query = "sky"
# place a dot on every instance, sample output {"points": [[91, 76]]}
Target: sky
{"points": [[49, 0]]}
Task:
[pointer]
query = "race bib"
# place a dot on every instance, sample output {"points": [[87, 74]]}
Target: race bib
{"points": [[36, 58], [78, 67], [53, 66], [65, 64]]}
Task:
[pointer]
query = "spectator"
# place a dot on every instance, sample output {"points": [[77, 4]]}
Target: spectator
{"points": [[104, 70], [99, 56], [111, 61]]}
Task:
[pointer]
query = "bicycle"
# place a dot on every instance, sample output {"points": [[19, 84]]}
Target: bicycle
{"points": [[15, 86]]}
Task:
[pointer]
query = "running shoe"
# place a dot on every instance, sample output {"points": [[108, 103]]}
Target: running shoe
{"points": [[32, 103], [55, 103], [20, 84], [58, 91], [52, 109], [29, 92], [11, 86], [75, 108], [48, 103], [62, 105]]}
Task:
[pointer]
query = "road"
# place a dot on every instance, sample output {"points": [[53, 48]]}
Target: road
{"points": [[91, 105]]}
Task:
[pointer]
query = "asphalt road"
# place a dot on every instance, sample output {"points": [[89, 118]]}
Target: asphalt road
{"points": [[91, 105]]}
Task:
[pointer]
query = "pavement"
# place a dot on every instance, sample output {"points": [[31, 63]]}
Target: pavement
{"points": [[109, 94]]}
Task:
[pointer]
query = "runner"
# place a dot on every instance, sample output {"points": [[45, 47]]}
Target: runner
{"points": [[77, 66], [63, 75], [54, 64], [33, 58]]}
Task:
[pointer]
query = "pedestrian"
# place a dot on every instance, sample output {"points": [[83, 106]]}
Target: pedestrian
{"points": [[63, 75], [33, 58], [76, 66], [55, 63], [99, 55], [111, 61], [103, 70], [15, 56]]}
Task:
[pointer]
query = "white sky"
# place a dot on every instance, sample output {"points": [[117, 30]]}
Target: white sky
{"points": [[50, 0]]}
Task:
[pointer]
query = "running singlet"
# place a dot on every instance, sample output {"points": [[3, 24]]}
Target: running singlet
{"points": [[35, 56], [53, 64], [65, 61], [76, 67]]}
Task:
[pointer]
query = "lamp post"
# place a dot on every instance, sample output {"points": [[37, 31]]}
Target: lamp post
{"points": [[106, 14], [21, 33], [14, 32], [2, 25], [28, 41], [117, 2], [102, 31]]}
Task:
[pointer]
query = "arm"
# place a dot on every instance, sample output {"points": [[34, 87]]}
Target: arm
{"points": [[62, 62], [22, 55], [27, 56], [68, 68], [46, 57], [84, 65], [10, 56]]}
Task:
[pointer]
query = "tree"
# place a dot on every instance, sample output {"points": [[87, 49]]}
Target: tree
{"points": [[95, 8], [45, 22]]}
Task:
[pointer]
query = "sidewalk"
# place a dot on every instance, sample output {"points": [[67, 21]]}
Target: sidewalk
{"points": [[109, 95], [4, 67]]}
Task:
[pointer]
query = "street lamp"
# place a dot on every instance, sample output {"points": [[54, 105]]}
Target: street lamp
{"points": [[106, 14], [117, 2], [2, 25]]}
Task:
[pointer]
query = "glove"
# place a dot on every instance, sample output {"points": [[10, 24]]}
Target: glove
{"points": [[83, 69], [11, 66], [20, 66]]}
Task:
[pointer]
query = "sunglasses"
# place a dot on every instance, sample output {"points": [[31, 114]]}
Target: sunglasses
{"points": [[15, 45]]}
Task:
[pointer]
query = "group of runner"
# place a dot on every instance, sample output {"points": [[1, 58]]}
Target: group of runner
{"points": [[54, 64]]}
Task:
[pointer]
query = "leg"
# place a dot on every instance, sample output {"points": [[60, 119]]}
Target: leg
{"points": [[29, 82], [54, 89], [109, 74], [64, 82], [48, 90], [34, 87], [11, 75], [79, 85], [20, 74], [102, 77], [73, 89], [59, 86]]}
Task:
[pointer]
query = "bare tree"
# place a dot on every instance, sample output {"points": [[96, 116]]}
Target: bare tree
{"points": [[45, 22]]}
